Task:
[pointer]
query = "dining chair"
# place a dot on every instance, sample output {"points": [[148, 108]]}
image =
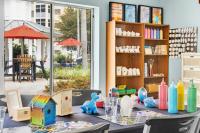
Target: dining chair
{"points": [[188, 123], [25, 67], [97, 128]]}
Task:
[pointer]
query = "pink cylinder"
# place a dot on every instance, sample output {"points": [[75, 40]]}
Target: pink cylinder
{"points": [[146, 33], [163, 95]]}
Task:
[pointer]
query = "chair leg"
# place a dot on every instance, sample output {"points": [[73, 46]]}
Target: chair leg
{"points": [[32, 76], [20, 76]]}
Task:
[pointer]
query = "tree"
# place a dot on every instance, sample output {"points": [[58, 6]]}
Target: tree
{"points": [[68, 26], [68, 23]]}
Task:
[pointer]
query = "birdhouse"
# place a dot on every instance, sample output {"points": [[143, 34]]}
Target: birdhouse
{"points": [[64, 102], [43, 110]]}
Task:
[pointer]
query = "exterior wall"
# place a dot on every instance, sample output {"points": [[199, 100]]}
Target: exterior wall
{"points": [[23, 10]]}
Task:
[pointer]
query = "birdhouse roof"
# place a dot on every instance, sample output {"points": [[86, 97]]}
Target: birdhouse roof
{"points": [[40, 101]]}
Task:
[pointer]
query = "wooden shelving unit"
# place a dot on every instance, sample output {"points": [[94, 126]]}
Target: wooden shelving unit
{"points": [[161, 62], [129, 60], [134, 60]]}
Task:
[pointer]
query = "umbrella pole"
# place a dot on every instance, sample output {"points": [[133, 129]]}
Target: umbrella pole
{"points": [[22, 47]]}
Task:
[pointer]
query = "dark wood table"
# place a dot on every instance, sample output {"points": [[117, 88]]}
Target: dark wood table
{"points": [[79, 116]]}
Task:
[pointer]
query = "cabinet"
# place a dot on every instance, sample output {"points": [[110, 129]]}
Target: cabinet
{"points": [[125, 63], [191, 71]]}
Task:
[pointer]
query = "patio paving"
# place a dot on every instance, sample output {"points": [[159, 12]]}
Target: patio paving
{"points": [[27, 87]]}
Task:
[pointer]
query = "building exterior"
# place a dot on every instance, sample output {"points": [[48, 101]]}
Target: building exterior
{"points": [[41, 13], [24, 10]]}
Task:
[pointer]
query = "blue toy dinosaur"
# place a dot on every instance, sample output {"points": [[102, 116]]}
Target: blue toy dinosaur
{"points": [[90, 107]]}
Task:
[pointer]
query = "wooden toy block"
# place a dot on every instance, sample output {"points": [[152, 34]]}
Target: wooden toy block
{"points": [[22, 114]]}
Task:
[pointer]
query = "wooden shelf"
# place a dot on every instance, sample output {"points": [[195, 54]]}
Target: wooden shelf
{"points": [[155, 55], [128, 76], [155, 77], [146, 39], [128, 53], [155, 25], [129, 36], [128, 23]]}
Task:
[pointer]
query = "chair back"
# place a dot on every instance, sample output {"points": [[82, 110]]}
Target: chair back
{"points": [[177, 124], [25, 61]]}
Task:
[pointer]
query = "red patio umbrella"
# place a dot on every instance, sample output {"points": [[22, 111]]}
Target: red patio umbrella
{"points": [[24, 32], [70, 42]]}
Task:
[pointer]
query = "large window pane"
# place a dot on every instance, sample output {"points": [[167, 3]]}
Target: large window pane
{"points": [[26, 60], [72, 48]]}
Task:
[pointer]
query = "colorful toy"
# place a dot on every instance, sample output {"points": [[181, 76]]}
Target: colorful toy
{"points": [[43, 110], [142, 94], [180, 90], [114, 92], [163, 92], [122, 87], [90, 107], [149, 102], [192, 98], [172, 99]]}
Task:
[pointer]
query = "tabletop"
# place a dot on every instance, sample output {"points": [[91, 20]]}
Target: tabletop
{"points": [[79, 116]]}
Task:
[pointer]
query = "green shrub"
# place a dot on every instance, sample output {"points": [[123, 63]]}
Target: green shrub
{"points": [[60, 58], [71, 78]]}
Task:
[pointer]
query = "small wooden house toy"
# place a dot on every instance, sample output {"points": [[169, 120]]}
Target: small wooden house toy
{"points": [[43, 110], [63, 101]]}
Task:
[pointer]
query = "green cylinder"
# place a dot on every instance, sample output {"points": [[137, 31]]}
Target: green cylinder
{"points": [[192, 98]]}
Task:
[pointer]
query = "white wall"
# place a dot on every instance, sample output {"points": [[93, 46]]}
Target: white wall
{"points": [[1, 44]]}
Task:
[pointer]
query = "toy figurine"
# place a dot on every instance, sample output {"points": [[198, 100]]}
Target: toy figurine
{"points": [[90, 107], [142, 94]]}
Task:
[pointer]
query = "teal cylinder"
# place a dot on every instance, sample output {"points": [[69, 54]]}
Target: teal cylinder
{"points": [[172, 99]]}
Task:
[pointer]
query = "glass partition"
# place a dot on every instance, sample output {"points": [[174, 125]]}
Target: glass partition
{"points": [[26, 47], [72, 48]]}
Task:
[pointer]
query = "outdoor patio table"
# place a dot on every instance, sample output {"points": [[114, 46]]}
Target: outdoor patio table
{"points": [[79, 116]]}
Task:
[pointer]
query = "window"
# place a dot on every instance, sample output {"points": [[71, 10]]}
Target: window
{"points": [[37, 8], [38, 21], [43, 8], [40, 50], [40, 8], [49, 23], [42, 22], [32, 14], [57, 11], [49, 9], [72, 61]]}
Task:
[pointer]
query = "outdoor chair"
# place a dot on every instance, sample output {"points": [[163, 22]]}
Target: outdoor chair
{"points": [[25, 67], [188, 123], [98, 128]]}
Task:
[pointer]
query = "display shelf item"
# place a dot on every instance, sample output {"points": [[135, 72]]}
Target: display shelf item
{"points": [[183, 40]]}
